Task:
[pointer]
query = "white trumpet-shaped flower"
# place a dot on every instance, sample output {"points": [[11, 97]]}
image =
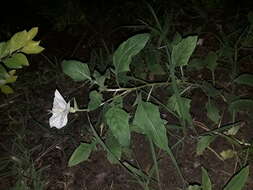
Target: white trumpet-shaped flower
{"points": [[60, 111]]}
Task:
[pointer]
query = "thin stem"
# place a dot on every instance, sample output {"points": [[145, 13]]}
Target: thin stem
{"points": [[155, 162], [100, 141]]}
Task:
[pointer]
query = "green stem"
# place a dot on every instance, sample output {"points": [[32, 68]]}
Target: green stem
{"points": [[100, 141], [155, 162]]}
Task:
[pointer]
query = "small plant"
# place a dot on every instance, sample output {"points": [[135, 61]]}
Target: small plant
{"points": [[18, 163], [13, 56], [109, 90], [237, 182]]}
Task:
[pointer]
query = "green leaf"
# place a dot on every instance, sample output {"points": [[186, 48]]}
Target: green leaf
{"points": [[32, 33], [183, 50], [241, 105], [6, 89], [32, 47], [124, 53], [147, 119], [95, 100], [185, 102], [81, 154], [226, 154], [117, 102], [117, 120], [77, 70], [16, 61], [3, 72], [3, 49], [100, 79], [209, 90], [206, 182], [17, 41], [114, 147], [203, 143], [246, 79], [233, 130], [211, 60], [11, 77], [153, 65], [238, 181], [212, 112]]}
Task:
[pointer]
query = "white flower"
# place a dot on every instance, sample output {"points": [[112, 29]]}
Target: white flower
{"points": [[60, 111]]}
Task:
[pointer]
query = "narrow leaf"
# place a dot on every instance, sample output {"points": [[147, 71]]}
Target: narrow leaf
{"points": [[238, 181], [241, 105], [245, 79], [77, 70], [183, 50], [117, 120], [81, 154], [206, 182], [124, 53]]}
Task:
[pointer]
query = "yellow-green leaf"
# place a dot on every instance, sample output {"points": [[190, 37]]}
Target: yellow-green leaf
{"points": [[226, 154], [3, 49], [32, 47], [17, 41], [32, 33], [6, 89]]}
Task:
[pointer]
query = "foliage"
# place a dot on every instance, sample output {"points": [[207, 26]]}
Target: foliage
{"points": [[13, 56], [236, 182], [145, 118]]}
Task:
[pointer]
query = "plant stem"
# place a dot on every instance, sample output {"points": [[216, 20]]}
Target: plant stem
{"points": [[155, 162]]}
